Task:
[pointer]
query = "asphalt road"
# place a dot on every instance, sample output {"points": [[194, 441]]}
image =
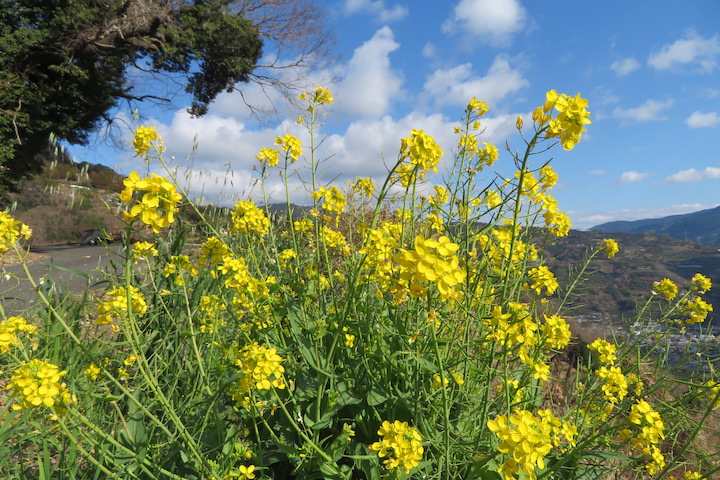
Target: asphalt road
{"points": [[66, 268]]}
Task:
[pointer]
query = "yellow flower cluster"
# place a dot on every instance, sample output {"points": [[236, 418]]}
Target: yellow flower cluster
{"points": [[213, 251], [401, 443], [287, 255], [541, 277], [9, 329], [158, 204], [503, 249], [488, 155], [569, 122], [528, 439], [666, 288], [515, 328], [611, 247], [364, 186], [557, 332], [291, 145], [144, 138], [143, 250], [268, 156], [116, 307], [712, 392], [249, 291], [615, 386], [695, 309], [701, 283], [477, 108], [178, 265], [334, 200], [431, 261], [335, 239], [10, 231], [248, 218], [444, 381], [605, 349], [92, 371], [423, 154], [212, 309], [261, 369], [37, 383], [378, 250], [321, 96], [243, 473], [652, 432]]}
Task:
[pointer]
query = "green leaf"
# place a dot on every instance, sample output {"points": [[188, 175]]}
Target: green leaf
{"points": [[376, 396]]}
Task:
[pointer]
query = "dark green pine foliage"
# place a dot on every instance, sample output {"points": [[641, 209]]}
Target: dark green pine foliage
{"points": [[64, 64]]}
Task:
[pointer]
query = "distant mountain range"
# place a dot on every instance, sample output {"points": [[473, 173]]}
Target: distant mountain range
{"points": [[700, 227]]}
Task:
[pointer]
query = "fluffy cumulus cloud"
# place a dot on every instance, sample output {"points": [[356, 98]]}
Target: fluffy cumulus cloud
{"points": [[693, 50], [693, 175], [648, 111], [625, 66], [221, 169], [383, 13], [492, 21], [700, 119], [457, 85], [369, 84], [627, 178]]}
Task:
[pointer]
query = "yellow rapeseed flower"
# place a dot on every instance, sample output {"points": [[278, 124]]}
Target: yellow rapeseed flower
{"points": [[335, 201], [143, 250], [666, 288], [611, 247], [92, 371], [9, 329], [526, 439], [114, 309], [268, 156], [605, 349], [37, 383], [248, 218], [261, 369], [402, 445], [569, 122], [291, 145], [10, 231], [144, 138], [423, 154], [701, 283], [157, 205]]}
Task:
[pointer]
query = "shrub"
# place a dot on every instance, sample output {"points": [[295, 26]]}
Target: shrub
{"points": [[360, 342]]}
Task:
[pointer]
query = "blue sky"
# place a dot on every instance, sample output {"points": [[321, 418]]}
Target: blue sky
{"points": [[651, 72]]}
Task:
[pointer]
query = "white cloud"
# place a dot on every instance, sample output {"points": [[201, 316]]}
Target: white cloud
{"points": [[493, 21], [377, 7], [700, 119], [597, 172], [625, 66], [583, 220], [369, 83], [648, 111], [631, 177], [221, 167], [457, 85], [429, 50], [693, 50], [693, 175]]}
